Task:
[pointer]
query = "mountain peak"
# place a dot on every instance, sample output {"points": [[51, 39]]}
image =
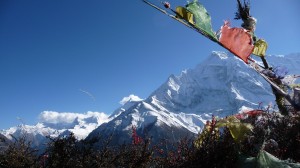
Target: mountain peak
{"points": [[129, 99], [220, 54], [221, 85]]}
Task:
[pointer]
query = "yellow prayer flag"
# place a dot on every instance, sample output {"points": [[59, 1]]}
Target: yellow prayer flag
{"points": [[260, 48]]}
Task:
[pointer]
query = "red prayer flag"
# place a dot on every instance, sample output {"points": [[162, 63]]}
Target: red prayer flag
{"points": [[236, 40]]}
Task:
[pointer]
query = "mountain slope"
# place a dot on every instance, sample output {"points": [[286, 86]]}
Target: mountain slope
{"points": [[4, 142], [221, 85]]}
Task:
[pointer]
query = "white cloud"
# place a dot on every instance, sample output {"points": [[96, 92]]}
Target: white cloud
{"points": [[53, 117], [130, 98], [84, 123]]}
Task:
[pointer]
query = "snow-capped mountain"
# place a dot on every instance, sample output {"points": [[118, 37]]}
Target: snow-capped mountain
{"points": [[221, 85], [54, 124]]}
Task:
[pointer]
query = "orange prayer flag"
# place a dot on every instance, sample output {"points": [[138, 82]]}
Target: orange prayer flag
{"points": [[236, 40]]}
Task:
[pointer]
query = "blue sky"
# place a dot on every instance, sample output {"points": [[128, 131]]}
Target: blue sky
{"points": [[55, 54]]}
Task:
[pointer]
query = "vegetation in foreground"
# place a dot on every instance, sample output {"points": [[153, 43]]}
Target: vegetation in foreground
{"points": [[256, 138]]}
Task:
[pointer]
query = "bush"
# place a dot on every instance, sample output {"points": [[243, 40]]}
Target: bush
{"points": [[277, 134], [18, 154], [222, 143]]}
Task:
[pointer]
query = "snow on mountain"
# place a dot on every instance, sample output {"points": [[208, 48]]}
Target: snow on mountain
{"points": [[35, 134], [56, 124], [291, 62], [221, 85], [126, 103]]}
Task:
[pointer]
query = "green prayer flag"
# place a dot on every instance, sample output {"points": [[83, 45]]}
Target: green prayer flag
{"points": [[201, 18]]}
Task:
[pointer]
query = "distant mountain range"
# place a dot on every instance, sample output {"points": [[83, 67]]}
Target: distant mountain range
{"points": [[54, 124], [221, 85]]}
